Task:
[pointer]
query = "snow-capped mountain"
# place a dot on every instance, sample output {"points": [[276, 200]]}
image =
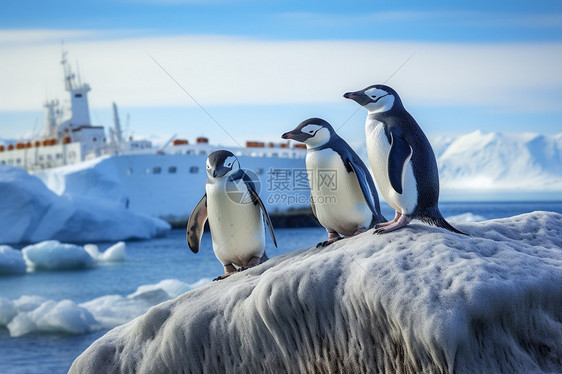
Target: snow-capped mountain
{"points": [[496, 162], [500, 162]]}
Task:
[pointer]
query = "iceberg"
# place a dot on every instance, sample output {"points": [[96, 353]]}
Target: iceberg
{"points": [[420, 299], [11, 261], [35, 213]]}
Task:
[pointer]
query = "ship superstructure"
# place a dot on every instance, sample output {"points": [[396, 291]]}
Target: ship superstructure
{"points": [[73, 156], [68, 136]]}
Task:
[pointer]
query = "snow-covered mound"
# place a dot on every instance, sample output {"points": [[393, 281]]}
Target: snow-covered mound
{"points": [[420, 299], [11, 261], [497, 161], [34, 314], [30, 212]]}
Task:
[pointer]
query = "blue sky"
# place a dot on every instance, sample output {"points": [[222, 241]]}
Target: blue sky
{"points": [[261, 68]]}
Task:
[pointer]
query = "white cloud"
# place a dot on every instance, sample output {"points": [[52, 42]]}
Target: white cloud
{"points": [[219, 70]]}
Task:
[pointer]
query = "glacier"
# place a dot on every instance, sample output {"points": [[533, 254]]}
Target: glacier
{"points": [[30, 212], [420, 299]]}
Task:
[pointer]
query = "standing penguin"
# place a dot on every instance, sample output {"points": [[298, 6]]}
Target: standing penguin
{"points": [[236, 216], [343, 195], [402, 160]]}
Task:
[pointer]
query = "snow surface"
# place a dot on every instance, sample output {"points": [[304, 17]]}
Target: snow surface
{"points": [[30, 212], [34, 314], [11, 261], [420, 299]]}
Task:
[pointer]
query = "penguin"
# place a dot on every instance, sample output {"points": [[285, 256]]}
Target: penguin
{"points": [[236, 216], [343, 195], [401, 158]]}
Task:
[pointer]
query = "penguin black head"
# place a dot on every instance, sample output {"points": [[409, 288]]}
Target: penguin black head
{"points": [[313, 132], [376, 98], [222, 163]]}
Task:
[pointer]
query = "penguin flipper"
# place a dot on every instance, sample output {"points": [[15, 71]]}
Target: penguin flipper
{"points": [[399, 155], [362, 176], [256, 198], [196, 224]]}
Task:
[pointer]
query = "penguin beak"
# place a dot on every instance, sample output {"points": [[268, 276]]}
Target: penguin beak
{"points": [[295, 135], [359, 97], [288, 135]]}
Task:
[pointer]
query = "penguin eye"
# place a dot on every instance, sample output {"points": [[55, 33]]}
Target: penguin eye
{"points": [[311, 131], [230, 163]]}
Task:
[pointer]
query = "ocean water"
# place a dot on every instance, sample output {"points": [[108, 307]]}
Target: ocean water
{"points": [[148, 263]]}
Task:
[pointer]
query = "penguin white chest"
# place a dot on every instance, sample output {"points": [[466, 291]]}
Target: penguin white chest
{"points": [[378, 149], [338, 200], [237, 229]]}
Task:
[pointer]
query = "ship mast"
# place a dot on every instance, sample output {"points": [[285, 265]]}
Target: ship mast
{"points": [[79, 110]]}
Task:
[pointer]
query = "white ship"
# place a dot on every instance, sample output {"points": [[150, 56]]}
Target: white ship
{"points": [[72, 156]]}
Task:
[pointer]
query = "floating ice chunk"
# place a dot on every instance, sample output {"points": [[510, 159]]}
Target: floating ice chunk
{"points": [[28, 303], [11, 261], [92, 250], [53, 255], [64, 316], [115, 253], [35, 314], [7, 311], [466, 217]]}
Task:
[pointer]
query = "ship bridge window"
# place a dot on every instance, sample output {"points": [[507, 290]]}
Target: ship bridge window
{"points": [[18, 160], [78, 95], [193, 169], [156, 170], [202, 152], [172, 170]]}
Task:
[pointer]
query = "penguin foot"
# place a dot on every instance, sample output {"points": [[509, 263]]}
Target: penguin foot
{"points": [[384, 224], [253, 262], [221, 277], [328, 242], [359, 231], [228, 271], [402, 221]]}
